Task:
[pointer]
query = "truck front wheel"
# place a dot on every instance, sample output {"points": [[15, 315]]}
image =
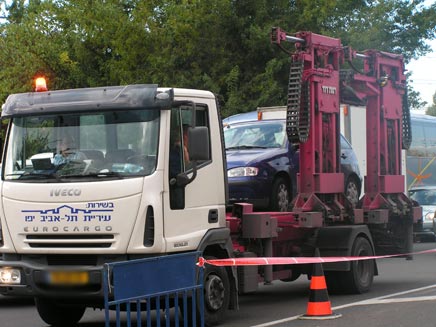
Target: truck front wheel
{"points": [[216, 294], [57, 315]]}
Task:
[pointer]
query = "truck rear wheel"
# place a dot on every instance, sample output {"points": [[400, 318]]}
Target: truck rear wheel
{"points": [[57, 315], [360, 277]]}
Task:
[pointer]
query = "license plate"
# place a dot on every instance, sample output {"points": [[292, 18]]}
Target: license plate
{"points": [[68, 277]]}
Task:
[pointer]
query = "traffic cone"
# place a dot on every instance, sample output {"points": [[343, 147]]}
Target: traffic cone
{"points": [[319, 306]]}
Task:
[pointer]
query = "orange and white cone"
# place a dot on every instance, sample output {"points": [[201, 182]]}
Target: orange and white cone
{"points": [[319, 306]]}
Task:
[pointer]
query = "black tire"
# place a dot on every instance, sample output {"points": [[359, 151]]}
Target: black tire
{"points": [[56, 315], [359, 279], [216, 296], [361, 275], [280, 195], [352, 191]]}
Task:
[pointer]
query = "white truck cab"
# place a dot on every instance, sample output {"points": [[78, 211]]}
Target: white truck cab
{"points": [[124, 188]]}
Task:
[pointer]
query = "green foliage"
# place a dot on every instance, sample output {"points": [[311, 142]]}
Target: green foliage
{"points": [[219, 45], [431, 110], [37, 143], [414, 100]]}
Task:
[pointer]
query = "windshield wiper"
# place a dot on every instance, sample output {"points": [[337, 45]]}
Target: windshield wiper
{"points": [[99, 174], [31, 175], [15, 174], [240, 147]]}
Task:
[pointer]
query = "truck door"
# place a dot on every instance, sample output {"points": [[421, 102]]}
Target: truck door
{"points": [[192, 209]]}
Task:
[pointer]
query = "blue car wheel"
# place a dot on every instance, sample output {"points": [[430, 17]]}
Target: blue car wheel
{"points": [[280, 196]]}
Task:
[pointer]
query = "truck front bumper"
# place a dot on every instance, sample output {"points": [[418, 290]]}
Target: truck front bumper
{"points": [[82, 276], [35, 281]]}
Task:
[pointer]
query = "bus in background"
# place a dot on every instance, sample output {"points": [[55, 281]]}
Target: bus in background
{"points": [[419, 161], [421, 173], [421, 156]]}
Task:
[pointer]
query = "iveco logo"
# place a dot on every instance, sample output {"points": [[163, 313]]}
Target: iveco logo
{"points": [[65, 192]]}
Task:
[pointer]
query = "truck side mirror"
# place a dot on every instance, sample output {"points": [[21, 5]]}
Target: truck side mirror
{"points": [[198, 143]]}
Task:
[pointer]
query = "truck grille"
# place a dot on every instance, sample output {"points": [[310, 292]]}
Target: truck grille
{"points": [[71, 260], [70, 241]]}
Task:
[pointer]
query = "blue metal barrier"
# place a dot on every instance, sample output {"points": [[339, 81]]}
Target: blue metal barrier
{"points": [[155, 284]]}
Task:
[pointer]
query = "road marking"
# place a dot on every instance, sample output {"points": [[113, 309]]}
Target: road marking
{"points": [[377, 300], [382, 299]]}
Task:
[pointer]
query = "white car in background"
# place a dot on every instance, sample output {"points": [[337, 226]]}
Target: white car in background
{"points": [[426, 197]]}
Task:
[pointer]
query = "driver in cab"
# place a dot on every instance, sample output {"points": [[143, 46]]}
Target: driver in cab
{"points": [[67, 152]]}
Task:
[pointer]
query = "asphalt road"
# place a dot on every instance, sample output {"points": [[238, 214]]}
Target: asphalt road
{"points": [[404, 294]]}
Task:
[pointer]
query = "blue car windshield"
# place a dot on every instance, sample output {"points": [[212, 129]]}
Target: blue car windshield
{"points": [[255, 135]]}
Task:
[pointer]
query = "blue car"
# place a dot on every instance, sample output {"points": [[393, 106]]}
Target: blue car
{"points": [[262, 165]]}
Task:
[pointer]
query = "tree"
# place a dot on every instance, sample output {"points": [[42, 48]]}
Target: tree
{"points": [[220, 45], [431, 110]]}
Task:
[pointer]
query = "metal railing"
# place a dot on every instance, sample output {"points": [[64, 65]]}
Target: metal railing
{"points": [[152, 287]]}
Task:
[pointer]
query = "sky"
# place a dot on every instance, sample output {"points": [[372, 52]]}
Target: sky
{"points": [[423, 71], [424, 74]]}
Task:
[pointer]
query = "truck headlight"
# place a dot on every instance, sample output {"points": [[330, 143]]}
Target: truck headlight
{"points": [[242, 171], [10, 276]]}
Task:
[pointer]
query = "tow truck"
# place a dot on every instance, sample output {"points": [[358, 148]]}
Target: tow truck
{"points": [[136, 194]]}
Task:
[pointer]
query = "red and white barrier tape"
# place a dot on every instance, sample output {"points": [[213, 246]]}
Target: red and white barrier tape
{"points": [[266, 261]]}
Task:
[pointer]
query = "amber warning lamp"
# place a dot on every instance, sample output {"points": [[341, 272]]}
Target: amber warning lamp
{"points": [[345, 110], [40, 85]]}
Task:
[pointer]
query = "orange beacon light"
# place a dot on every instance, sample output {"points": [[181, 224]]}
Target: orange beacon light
{"points": [[40, 84]]}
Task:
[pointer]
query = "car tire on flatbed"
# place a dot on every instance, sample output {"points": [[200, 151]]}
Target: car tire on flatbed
{"points": [[352, 191], [280, 195]]}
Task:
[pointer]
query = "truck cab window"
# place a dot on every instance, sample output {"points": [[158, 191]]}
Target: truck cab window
{"points": [[178, 157], [182, 118]]}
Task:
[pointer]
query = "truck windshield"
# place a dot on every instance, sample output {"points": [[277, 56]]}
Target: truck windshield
{"points": [[63, 147]]}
